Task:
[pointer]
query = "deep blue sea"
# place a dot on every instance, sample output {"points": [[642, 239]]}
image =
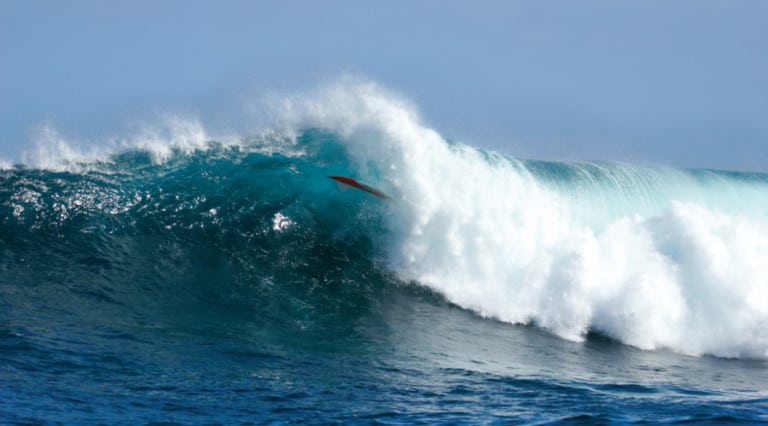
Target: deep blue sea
{"points": [[196, 280]]}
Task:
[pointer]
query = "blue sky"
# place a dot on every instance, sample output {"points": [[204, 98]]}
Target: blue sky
{"points": [[683, 83]]}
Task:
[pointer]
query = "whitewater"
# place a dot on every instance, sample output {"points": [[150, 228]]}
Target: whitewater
{"points": [[482, 269]]}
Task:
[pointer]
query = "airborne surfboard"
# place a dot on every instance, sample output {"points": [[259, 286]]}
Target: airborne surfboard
{"points": [[359, 185]]}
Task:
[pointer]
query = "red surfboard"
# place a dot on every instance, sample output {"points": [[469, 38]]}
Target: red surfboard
{"points": [[361, 186]]}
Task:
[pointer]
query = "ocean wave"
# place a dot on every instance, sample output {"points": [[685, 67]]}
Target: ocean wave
{"points": [[653, 257]]}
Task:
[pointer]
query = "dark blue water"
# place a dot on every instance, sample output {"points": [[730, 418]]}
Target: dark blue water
{"points": [[233, 286]]}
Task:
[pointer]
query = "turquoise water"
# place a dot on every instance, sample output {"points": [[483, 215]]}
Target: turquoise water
{"points": [[237, 284]]}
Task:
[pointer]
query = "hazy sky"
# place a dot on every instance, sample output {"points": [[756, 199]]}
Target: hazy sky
{"points": [[676, 82]]}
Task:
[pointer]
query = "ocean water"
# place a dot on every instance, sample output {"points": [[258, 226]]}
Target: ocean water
{"points": [[181, 277]]}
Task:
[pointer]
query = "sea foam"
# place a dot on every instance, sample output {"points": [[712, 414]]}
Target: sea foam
{"points": [[162, 138]]}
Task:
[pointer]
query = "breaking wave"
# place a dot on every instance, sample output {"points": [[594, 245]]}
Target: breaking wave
{"points": [[652, 257]]}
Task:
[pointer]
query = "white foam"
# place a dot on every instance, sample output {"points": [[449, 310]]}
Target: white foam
{"points": [[651, 258], [166, 136], [172, 134], [5, 164], [280, 222], [52, 151]]}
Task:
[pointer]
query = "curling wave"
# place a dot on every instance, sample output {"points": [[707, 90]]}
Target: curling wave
{"points": [[653, 257]]}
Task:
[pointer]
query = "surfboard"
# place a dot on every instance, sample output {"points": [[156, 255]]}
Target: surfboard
{"points": [[361, 186]]}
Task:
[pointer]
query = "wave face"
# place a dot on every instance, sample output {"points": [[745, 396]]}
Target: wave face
{"points": [[652, 257]]}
